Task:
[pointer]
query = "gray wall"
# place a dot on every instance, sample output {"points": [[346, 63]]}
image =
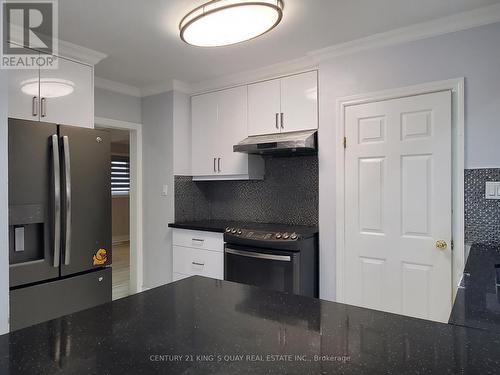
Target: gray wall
{"points": [[117, 106], [158, 210], [473, 54], [4, 201], [287, 195], [182, 134], [155, 113]]}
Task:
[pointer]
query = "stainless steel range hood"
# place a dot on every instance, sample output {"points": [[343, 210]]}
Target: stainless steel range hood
{"points": [[293, 143]]}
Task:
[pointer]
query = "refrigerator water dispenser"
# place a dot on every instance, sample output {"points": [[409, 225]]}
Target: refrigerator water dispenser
{"points": [[26, 232]]}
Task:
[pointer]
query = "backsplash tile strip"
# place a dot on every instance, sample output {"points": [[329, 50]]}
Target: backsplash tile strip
{"points": [[190, 202], [287, 195], [482, 216]]}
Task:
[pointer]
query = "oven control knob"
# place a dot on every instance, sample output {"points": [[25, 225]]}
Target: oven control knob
{"points": [[239, 231], [233, 230], [278, 236], [286, 236], [228, 230], [294, 236]]}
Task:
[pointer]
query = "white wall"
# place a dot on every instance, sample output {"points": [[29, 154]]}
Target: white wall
{"points": [[473, 54], [4, 209], [117, 106], [158, 210], [182, 134], [165, 120]]}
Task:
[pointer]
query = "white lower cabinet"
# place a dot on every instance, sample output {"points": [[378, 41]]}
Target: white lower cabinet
{"points": [[198, 239], [197, 253], [189, 261]]}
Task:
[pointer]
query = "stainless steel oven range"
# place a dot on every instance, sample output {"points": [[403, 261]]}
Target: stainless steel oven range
{"points": [[283, 258]]}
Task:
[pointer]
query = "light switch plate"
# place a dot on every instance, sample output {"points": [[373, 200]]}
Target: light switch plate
{"points": [[164, 191], [492, 190]]}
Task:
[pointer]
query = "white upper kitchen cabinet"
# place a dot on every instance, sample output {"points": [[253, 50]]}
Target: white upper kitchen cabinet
{"points": [[299, 102], [66, 94], [219, 121], [282, 105], [264, 107], [232, 128], [63, 96], [23, 93], [204, 115]]}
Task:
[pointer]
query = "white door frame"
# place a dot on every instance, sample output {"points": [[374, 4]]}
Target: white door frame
{"points": [[456, 86], [136, 251]]}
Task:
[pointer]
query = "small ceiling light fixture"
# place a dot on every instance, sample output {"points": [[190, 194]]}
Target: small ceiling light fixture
{"points": [[226, 22], [49, 87]]}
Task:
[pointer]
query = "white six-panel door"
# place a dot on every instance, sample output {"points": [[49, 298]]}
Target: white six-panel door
{"points": [[398, 197]]}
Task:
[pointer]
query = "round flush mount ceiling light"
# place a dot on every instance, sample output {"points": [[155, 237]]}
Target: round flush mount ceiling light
{"points": [[226, 22], [49, 87]]}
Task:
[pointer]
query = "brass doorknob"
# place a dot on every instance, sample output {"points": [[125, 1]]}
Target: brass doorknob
{"points": [[441, 244]]}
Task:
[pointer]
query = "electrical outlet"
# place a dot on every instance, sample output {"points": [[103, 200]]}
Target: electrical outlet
{"points": [[492, 190]]}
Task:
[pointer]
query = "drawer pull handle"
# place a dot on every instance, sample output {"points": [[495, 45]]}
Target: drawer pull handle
{"points": [[198, 240], [198, 264]]}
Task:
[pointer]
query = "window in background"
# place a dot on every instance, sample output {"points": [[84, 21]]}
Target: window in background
{"points": [[120, 175]]}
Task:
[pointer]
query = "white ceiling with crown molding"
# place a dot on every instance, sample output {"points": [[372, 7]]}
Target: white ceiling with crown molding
{"points": [[143, 47]]}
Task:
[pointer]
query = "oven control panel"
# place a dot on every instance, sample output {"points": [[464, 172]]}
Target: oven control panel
{"points": [[262, 235]]}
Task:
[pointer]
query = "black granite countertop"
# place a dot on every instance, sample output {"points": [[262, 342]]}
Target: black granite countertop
{"points": [[204, 225], [220, 226], [477, 303], [205, 326]]}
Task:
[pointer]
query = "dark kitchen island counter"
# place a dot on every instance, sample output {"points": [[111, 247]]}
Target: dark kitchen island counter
{"points": [[205, 326], [477, 303]]}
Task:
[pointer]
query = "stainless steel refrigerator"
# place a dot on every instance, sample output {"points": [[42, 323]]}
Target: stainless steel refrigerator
{"points": [[59, 220]]}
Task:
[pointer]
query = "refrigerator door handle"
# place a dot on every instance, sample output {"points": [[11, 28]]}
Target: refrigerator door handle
{"points": [[57, 200], [67, 185]]}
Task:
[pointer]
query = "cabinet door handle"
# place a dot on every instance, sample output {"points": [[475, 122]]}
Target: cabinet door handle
{"points": [[277, 126], [215, 169], [198, 264], [218, 164], [282, 120], [43, 107], [34, 106]]}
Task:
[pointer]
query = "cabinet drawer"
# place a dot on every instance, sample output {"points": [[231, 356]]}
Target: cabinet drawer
{"points": [[190, 262], [198, 239]]}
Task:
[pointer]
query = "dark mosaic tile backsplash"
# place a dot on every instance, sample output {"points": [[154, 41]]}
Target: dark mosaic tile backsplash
{"points": [[287, 195], [482, 216]]}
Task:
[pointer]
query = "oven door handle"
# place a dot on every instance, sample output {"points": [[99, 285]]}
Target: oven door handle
{"points": [[251, 254]]}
